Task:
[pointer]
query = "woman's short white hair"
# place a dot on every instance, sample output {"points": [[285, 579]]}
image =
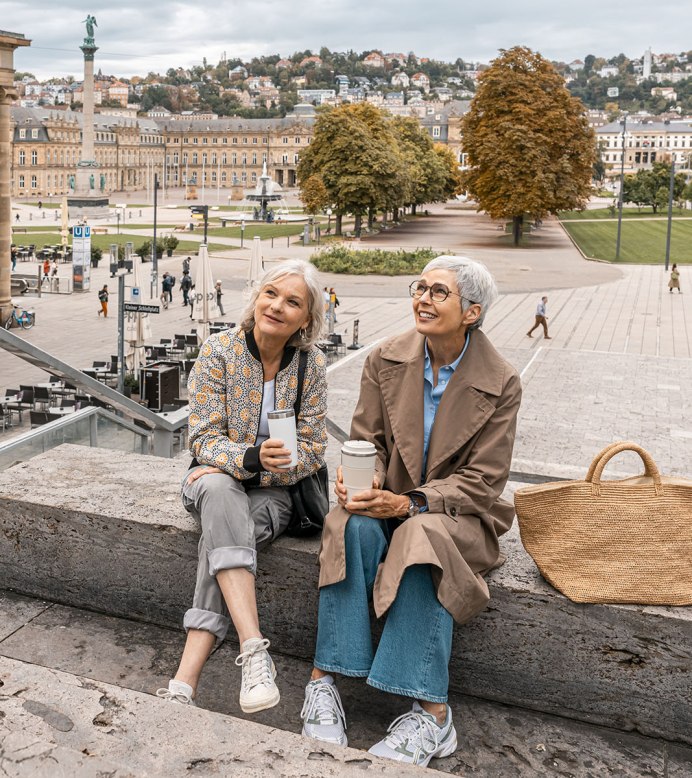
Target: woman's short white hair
{"points": [[475, 283], [308, 272]]}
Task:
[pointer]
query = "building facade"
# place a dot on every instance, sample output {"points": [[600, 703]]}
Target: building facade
{"points": [[644, 144]]}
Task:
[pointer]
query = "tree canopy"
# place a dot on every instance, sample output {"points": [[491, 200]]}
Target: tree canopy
{"points": [[652, 187], [530, 148], [362, 160]]}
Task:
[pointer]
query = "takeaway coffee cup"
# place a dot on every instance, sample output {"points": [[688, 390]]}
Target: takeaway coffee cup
{"points": [[282, 425], [357, 465]]}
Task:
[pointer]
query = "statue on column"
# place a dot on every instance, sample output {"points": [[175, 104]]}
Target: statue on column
{"points": [[102, 182], [90, 22], [91, 181], [71, 180]]}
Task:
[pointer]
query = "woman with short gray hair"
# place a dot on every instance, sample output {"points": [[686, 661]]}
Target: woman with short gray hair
{"points": [[237, 486], [440, 406]]}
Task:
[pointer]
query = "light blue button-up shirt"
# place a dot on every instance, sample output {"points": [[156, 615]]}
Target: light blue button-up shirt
{"points": [[433, 394]]}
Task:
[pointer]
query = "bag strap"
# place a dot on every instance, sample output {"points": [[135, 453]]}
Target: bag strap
{"points": [[302, 363], [608, 453]]}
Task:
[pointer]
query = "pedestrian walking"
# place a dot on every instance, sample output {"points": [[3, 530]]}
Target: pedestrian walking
{"points": [[103, 299], [333, 303], [186, 265], [541, 319], [674, 282], [191, 300], [167, 284], [46, 268], [54, 268], [13, 252], [186, 285], [219, 295]]}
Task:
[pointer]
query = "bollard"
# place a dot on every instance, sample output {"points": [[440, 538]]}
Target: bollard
{"points": [[355, 345], [44, 214], [272, 241], [288, 241]]}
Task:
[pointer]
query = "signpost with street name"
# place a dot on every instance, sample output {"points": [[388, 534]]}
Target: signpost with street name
{"points": [[141, 308], [81, 257]]}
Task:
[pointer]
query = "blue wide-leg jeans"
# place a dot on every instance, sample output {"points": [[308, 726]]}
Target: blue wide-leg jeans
{"points": [[412, 658]]}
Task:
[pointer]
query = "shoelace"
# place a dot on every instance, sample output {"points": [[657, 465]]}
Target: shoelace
{"points": [[256, 669], [167, 694], [323, 702], [410, 724]]}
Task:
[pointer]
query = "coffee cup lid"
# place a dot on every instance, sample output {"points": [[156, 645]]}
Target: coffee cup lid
{"points": [[287, 414], [358, 448]]}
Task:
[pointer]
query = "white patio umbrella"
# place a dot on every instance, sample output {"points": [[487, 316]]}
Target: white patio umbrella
{"points": [[204, 295], [137, 325], [256, 269]]}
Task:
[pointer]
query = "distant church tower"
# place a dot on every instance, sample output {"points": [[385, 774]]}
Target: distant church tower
{"points": [[646, 68]]}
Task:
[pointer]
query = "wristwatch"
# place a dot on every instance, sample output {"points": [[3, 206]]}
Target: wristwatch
{"points": [[413, 508]]}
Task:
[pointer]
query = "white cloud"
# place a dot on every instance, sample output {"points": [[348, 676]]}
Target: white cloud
{"points": [[138, 37]]}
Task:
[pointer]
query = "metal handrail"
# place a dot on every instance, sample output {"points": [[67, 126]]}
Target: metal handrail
{"points": [[65, 422], [162, 426]]}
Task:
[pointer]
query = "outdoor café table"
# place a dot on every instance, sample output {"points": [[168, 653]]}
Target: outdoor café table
{"points": [[61, 411]]}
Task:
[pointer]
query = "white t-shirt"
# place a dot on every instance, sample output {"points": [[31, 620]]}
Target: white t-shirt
{"points": [[268, 401]]}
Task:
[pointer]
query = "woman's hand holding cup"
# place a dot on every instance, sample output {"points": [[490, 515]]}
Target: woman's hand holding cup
{"points": [[274, 457]]}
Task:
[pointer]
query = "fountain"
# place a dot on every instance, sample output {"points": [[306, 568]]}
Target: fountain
{"points": [[266, 191]]}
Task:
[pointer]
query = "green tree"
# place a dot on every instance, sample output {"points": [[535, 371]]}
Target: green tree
{"points": [[651, 187], [355, 153], [530, 148]]}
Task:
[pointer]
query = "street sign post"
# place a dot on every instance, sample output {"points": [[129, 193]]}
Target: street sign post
{"points": [[141, 308]]}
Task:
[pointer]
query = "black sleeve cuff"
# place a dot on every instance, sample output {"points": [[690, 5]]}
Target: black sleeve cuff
{"points": [[251, 460]]}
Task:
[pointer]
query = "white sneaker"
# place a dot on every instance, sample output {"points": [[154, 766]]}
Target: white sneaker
{"points": [[416, 737], [258, 690], [177, 691], [323, 714]]}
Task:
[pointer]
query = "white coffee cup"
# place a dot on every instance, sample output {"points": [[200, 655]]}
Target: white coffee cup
{"points": [[282, 425], [357, 465]]}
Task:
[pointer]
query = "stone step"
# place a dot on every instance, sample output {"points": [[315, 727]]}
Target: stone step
{"points": [[104, 530], [55, 723], [494, 740]]}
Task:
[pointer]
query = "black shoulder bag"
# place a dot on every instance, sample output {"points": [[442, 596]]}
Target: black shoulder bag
{"points": [[311, 494]]}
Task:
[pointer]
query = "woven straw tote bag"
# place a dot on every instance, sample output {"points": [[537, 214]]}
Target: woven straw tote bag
{"points": [[626, 541]]}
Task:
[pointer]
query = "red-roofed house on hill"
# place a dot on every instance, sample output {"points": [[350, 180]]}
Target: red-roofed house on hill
{"points": [[373, 60]]}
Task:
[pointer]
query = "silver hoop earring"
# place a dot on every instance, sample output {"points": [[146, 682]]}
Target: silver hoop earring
{"points": [[304, 334]]}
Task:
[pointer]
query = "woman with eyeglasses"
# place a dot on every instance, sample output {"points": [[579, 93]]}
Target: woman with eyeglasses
{"points": [[440, 404]]}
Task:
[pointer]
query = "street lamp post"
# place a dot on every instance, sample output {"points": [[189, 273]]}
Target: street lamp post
{"points": [[622, 188], [242, 232], [329, 220], [671, 187]]}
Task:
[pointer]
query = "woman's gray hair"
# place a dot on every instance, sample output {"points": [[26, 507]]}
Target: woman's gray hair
{"points": [[475, 284], [308, 272]]}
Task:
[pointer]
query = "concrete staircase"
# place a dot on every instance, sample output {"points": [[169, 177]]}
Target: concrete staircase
{"points": [[104, 531]]}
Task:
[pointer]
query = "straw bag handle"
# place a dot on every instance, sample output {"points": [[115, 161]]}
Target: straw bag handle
{"points": [[599, 463]]}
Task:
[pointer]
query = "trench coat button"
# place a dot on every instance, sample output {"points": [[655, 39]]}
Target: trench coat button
{"points": [[391, 438], [452, 511], [454, 459]]}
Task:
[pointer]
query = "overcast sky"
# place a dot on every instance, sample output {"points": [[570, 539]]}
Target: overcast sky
{"points": [[154, 35]]}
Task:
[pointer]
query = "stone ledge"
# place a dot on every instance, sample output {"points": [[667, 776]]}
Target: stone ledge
{"points": [[105, 530], [56, 723]]}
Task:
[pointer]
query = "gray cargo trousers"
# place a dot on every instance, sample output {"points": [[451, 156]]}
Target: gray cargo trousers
{"points": [[235, 523]]}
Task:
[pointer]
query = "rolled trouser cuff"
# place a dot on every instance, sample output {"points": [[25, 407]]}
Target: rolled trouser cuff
{"points": [[232, 557], [196, 618]]}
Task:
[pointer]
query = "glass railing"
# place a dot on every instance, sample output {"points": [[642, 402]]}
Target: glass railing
{"points": [[91, 426]]}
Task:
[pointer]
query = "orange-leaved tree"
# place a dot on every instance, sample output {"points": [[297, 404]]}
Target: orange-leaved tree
{"points": [[529, 147]]}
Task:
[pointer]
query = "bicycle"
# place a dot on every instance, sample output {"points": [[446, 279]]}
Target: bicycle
{"points": [[25, 320]]}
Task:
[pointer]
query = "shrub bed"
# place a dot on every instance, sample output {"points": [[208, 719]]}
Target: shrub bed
{"points": [[341, 259]]}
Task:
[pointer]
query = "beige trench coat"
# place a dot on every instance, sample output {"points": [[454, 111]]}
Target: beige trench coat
{"points": [[469, 457]]}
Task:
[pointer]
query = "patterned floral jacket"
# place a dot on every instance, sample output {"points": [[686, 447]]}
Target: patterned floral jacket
{"points": [[225, 394]]}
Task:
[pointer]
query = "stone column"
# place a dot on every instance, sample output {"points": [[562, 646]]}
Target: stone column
{"points": [[9, 41], [87, 163]]}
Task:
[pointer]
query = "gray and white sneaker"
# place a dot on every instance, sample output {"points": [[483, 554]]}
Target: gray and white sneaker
{"points": [[258, 690], [323, 714], [416, 737], [177, 691]]}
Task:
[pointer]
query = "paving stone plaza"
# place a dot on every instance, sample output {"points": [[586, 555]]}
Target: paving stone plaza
{"points": [[618, 366]]}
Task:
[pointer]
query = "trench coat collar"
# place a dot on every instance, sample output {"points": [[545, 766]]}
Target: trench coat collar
{"points": [[463, 408]]}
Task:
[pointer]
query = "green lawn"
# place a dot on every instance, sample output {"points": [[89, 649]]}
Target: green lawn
{"points": [[642, 242], [103, 242], [627, 213], [263, 231]]}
